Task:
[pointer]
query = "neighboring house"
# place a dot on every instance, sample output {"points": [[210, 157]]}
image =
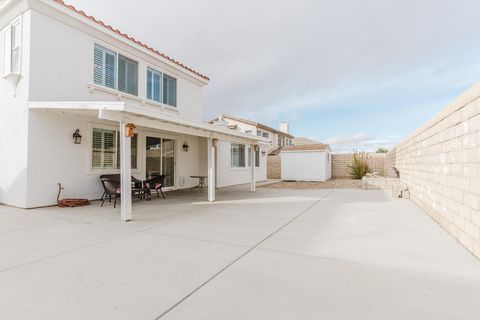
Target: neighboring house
{"points": [[311, 162], [233, 165], [301, 141], [65, 72]]}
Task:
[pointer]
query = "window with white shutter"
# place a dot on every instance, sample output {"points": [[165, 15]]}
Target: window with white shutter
{"points": [[154, 85], [127, 75], [169, 91], [104, 67], [106, 149]]}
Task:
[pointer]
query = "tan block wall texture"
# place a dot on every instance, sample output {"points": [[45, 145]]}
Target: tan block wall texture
{"points": [[340, 163], [440, 164], [390, 162], [274, 167]]}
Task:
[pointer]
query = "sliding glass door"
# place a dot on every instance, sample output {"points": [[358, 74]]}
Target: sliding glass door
{"points": [[160, 159]]}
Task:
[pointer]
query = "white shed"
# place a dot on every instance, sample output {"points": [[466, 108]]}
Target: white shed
{"points": [[311, 162]]}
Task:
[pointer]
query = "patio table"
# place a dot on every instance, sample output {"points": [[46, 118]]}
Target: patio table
{"points": [[201, 181]]}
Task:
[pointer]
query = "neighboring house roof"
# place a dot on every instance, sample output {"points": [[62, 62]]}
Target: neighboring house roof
{"points": [[300, 141], [307, 147], [276, 151], [253, 123], [126, 36]]}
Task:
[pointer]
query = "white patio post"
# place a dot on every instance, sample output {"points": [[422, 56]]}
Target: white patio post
{"points": [[125, 174], [211, 169], [252, 169]]}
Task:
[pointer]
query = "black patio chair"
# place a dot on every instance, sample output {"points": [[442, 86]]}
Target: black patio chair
{"points": [[137, 189], [111, 189], [156, 183], [113, 177]]}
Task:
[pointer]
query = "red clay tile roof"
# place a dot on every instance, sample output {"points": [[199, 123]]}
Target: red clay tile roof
{"points": [[306, 147], [126, 36]]}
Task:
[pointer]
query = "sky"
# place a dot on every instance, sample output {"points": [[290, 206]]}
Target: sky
{"points": [[356, 74]]}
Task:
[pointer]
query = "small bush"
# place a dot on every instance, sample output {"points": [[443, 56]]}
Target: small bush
{"points": [[359, 167]]}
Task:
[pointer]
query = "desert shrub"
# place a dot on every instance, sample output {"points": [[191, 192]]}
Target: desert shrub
{"points": [[359, 166]]}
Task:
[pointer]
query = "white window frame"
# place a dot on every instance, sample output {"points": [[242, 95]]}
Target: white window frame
{"points": [[245, 157], [248, 163], [176, 89], [117, 54], [93, 171], [155, 71], [8, 48]]}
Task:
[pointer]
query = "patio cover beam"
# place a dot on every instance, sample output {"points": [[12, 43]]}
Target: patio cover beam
{"points": [[141, 121]]}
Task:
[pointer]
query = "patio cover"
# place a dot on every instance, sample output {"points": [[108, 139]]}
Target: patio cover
{"points": [[123, 113]]}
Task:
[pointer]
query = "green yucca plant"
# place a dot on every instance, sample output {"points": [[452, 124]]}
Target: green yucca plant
{"points": [[359, 167]]}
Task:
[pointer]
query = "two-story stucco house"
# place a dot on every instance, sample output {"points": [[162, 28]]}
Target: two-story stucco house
{"points": [[65, 73], [234, 165]]}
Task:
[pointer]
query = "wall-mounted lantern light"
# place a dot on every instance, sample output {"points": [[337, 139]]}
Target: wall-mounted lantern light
{"points": [[77, 137], [214, 142], [185, 146], [263, 153]]}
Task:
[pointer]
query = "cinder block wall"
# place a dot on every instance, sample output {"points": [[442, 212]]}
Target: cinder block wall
{"points": [[273, 167], [440, 164], [340, 163], [390, 162]]}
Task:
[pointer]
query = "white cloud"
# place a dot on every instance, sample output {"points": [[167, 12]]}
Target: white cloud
{"points": [[270, 58]]}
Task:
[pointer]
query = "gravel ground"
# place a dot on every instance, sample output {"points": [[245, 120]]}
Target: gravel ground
{"points": [[331, 184]]}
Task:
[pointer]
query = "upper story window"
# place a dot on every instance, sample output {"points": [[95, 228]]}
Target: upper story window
{"points": [[161, 88], [15, 50], [13, 42], [115, 71], [154, 87], [127, 75], [104, 67], [265, 134], [169, 91], [259, 133]]}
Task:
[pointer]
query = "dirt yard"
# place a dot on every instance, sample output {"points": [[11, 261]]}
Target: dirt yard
{"points": [[331, 184]]}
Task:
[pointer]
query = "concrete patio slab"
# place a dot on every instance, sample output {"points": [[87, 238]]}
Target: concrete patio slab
{"points": [[275, 254]]}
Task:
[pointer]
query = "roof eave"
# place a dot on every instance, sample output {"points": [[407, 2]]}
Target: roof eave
{"points": [[81, 16]]}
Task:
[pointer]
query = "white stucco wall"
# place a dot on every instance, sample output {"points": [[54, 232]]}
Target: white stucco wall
{"points": [[62, 68], [14, 118], [228, 176], [53, 157], [305, 166], [57, 65]]}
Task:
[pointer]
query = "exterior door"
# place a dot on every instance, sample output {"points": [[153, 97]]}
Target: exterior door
{"points": [[160, 159]]}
